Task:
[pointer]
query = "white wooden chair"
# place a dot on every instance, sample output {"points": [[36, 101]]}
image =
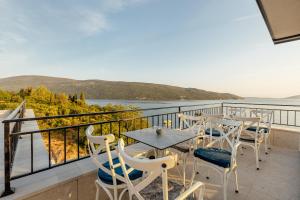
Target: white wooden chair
{"points": [[189, 123], [221, 160], [211, 132], [253, 139], [110, 174], [149, 186], [236, 112], [266, 118]]}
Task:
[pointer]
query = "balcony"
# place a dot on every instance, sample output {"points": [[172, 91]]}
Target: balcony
{"points": [[35, 175]]}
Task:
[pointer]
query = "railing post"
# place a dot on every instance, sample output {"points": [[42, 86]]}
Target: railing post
{"points": [[222, 107], [7, 165], [179, 121]]}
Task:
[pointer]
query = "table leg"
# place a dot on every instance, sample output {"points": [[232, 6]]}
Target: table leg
{"points": [[160, 154]]}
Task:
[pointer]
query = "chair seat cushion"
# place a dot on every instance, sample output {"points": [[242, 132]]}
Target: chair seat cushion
{"points": [[154, 190], [253, 128], [215, 132], [107, 178], [216, 156]]}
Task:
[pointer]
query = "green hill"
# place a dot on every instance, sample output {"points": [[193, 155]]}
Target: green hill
{"points": [[99, 89]]}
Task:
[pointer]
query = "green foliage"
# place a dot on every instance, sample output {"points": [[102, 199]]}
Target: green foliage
{"points": [[5, 96], [82, 97], [46, 103]]}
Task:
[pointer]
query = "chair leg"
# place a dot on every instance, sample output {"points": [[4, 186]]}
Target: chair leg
{"points": [[266, 144], [269, 141], [106, 190], [242, 151], [97, 191], [236, 181], [165, 184], [207, 175], [184, 167], [256, 158], [194, 171], [122, 193], [225, 186], [115, 193], [201, 193], [259, 157]]}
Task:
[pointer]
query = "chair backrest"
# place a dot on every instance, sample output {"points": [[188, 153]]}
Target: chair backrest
{"points": [[236, 111], [251, 127], [98, 144], [230, 132], [190, 122], [153, 167], [210, 120], [266, 116]]}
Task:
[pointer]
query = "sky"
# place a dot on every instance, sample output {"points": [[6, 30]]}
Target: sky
{"points": [[216, 45]]}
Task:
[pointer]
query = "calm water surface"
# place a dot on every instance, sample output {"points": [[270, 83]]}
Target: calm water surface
{"points": [[154, 104], [282, 114]]}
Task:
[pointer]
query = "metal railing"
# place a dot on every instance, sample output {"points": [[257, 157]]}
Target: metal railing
{"points": [[285, 115], [163, 116], [11, 142]]}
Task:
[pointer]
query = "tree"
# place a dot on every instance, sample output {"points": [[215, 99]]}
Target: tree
{"points": [[52, 99], [40, 95], [22, 93], [4, 95], [74, 99], [70, 98], [82, 97]]}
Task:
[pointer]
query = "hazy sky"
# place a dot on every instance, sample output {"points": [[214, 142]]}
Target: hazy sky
{"points": [[218, 45]]}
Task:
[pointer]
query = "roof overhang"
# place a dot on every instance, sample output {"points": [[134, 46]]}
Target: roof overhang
{"points": [[282, 18]]}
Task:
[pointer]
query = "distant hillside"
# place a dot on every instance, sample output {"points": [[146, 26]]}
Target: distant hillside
{"points": [[294, 97], [99, 89]]}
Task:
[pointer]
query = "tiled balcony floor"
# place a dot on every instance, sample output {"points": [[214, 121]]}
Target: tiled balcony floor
{"points": [[278, 177]]}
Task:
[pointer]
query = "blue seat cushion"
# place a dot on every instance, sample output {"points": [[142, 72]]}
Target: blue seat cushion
{"points": [[215, 132], [107, 178], [253, 128], [216, 156]]}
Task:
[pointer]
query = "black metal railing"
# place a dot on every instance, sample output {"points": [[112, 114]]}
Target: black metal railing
{"points": [[10, 143], [73, 137]]}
